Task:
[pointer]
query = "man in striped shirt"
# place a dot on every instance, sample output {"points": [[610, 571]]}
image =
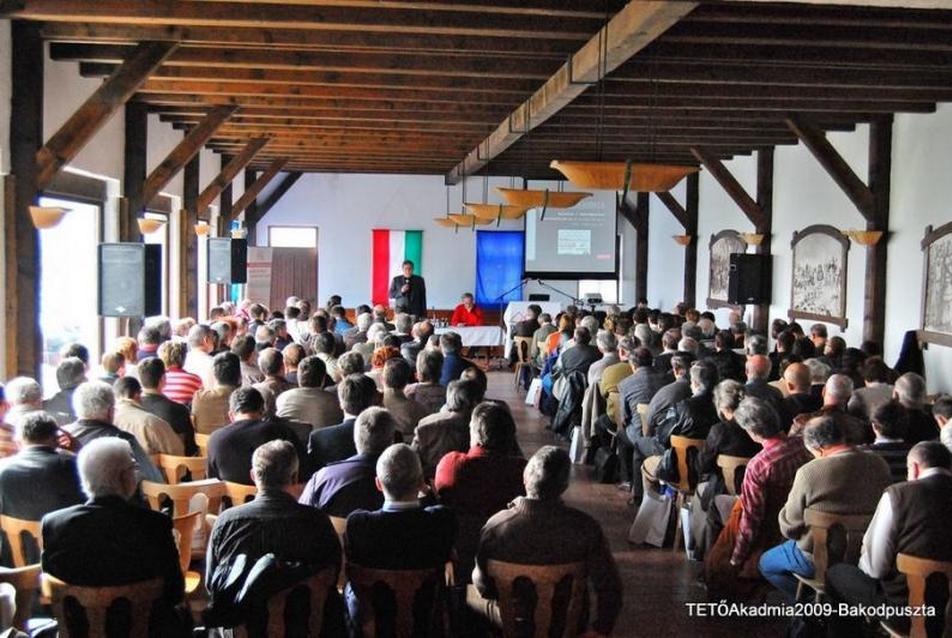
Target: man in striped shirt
{"points": [[180, 385]]}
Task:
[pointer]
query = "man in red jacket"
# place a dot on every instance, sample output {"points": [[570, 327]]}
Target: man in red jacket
{"points": [[466, 313]]}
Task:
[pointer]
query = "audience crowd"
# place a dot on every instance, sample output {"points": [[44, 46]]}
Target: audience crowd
{"points": [[369, 440]]}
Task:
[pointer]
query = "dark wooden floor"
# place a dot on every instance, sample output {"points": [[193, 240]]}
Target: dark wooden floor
{"points": [[657, 582]]}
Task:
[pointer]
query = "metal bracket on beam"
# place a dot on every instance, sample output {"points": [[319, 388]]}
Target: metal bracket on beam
{"points": [[524, 131], [479, 155], [602, 61]]}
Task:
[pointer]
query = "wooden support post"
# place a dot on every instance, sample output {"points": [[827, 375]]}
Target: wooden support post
{"points": [[730, 184], [880, 169], [253, 190], [190, 179], [134, 160], [82, 125], [641, 256], [188, 148], [690, 251], [24, 340], [229, 171], [251, 209], [225, 197], [765, 171]]}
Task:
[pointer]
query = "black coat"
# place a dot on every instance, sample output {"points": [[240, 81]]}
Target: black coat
{"points": [[175, 414], [230, 448], [331, 444], [414, 301], [693, 417]]}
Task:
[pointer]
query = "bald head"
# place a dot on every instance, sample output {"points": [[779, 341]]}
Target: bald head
{"points": [[797, 378], [758, 367], [837, 390]]}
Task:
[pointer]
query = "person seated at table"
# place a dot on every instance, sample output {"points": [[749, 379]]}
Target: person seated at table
{"points": [[467, 313]]}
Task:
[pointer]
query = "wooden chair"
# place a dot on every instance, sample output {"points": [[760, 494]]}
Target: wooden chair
{"points": [[14, 528], [821, 525], [917, 570], [182, 494], [96, 601], [404, 584], [318, 586], [545, 579], [643, 413], [729, 466], [26, 581], [201, 440], [174, 467], [523, 348], [340, 526], [682, 446], [184, 528], [238, 494]]}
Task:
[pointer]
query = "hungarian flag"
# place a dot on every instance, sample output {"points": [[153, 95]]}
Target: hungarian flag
{"points": [[390, 249]]}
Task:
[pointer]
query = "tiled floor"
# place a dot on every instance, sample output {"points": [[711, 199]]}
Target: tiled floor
{"points": [[658, 583]]}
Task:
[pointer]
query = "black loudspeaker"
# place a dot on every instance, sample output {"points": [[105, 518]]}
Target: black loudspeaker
{"points": [[538, 296], [749, 279], [130, 280], [227, 260]]}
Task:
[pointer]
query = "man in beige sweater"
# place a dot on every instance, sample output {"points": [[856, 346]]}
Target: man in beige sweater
{"points": [[840, 479]]}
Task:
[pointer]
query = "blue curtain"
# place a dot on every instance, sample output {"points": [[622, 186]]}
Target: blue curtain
{"points": [[499, 262]]}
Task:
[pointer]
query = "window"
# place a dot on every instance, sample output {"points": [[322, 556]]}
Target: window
{"points": [[292, 236], [607, 288], [68, 298]]}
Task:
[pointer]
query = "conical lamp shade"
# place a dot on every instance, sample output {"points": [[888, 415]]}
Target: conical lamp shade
{"points": [[445, 222], [46, 216], [537, 198], [495, 211], [645, 178]]}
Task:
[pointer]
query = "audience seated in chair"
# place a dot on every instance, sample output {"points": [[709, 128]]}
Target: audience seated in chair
{"points": [[427, 391], [799, 399], [357, 392], [637, 388], [310, 403], [910, 392], [396, 376], [273, 523], [200, 357], [231, 447], [912, 518], [836, 395], [341, 487], [453, 362], [210, 405], [110, 541], [154, 434], [730, 567], [828, 483], [152, 376], [539, 529], [478, 483], [890, 422], [942, 412], [876, 390], [70, 373], [444, 432], [180, 386], [403, 534]]}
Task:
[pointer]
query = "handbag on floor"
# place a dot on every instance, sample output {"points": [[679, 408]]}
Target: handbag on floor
{"points": [[534, 393], [606, 465], [651, 523]]}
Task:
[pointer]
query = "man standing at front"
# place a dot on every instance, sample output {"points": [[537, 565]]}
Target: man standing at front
{"points": [[408, 292]]}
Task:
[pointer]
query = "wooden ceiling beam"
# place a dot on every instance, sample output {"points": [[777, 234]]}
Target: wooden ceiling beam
{"points": [[729, 183], [310, 40], [287, 16], [278, 116], [83, 124], [184, 151], [228, 173], [629, 31], [328, 61], [859, 18], [260, 210], [254, 189]]}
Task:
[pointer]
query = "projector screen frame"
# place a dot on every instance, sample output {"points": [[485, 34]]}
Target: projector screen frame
{"points": [[570, 275]]}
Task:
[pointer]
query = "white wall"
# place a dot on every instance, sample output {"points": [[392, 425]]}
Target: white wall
{"points": [[805, 194], [666, 258]]}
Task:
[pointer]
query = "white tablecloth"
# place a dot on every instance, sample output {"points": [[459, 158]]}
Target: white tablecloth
{"points": [[476, 335]]}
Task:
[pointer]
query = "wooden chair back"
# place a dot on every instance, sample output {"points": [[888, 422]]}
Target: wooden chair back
{"points": [[96, 602], [238, 494], [545, 579], [174, 467], [318, 585], [523, 347], [730, 465], [826, 527], [917, 571], [14, 529], [201, 441], [26, 582], [643, 413], [184, 527], [404, 584], [182, 494], [682, 446], [340, 527]]}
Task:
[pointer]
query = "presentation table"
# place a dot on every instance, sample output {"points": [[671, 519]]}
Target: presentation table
{"points": [[473, 336]]}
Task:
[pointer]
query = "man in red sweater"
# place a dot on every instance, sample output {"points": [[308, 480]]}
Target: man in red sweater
{"points": [[466, 313]]}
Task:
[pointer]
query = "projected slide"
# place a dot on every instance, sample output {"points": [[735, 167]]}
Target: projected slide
{"points": [[573, 243]]}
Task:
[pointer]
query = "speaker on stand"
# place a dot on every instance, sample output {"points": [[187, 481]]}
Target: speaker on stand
{"points": [[749, 279]]}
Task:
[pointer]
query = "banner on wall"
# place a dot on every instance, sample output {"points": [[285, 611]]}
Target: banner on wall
{"points": [[258, 287], [390, 248]]}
